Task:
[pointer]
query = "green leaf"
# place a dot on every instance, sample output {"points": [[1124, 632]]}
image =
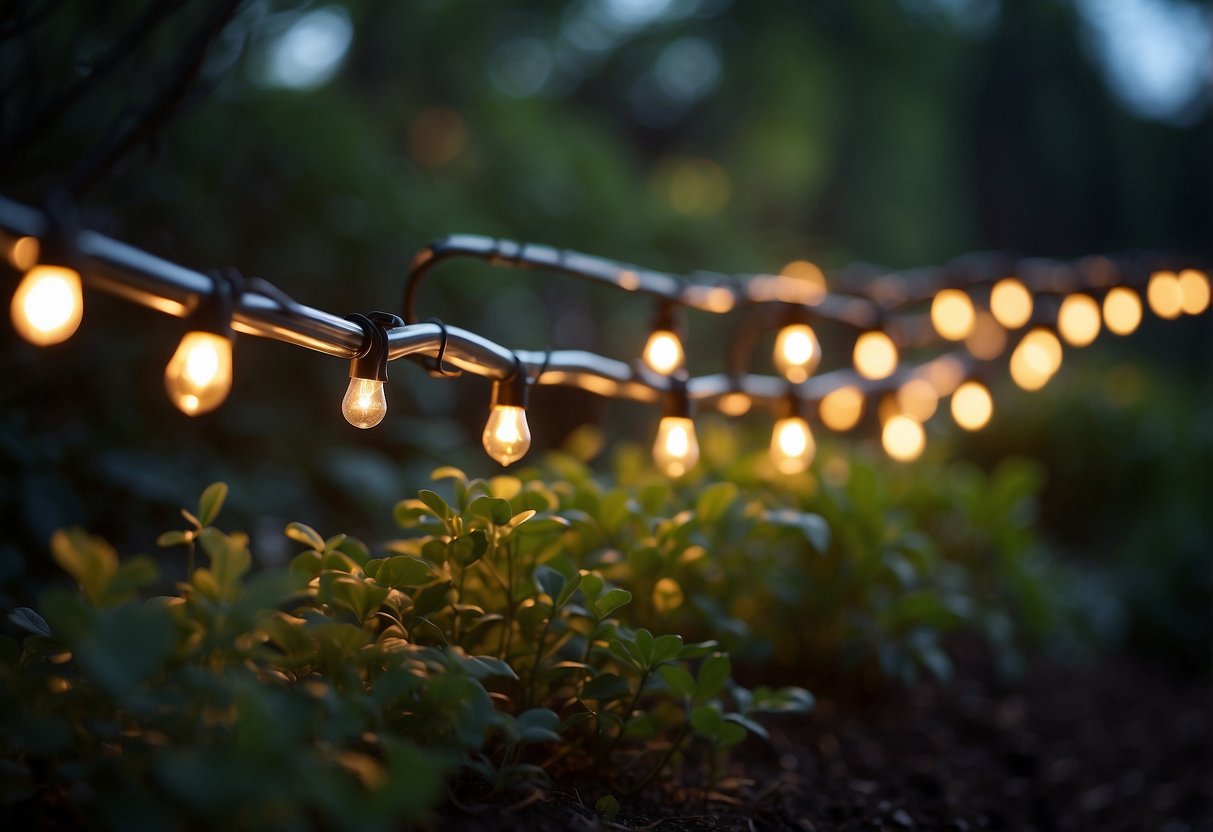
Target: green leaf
{"points": [[448, 472], [301, 533], [608, 806], [27, 619], [133, 573], [549, 581], [403, 571], [361, 597], [605, 688], [714, 501], [706, 721], [211, 501], [469, 548], [229, 555], [713, 674], [665, 648], [610, 601], [484, 667], [644, 647], [537, 725], [591, 585], [566, 591], [174, 538], [89, 560], [434, 502], [677, 680], [496, 511], [813, 526]]}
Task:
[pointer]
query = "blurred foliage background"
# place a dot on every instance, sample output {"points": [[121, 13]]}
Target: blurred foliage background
{"points": [[322, 144]]}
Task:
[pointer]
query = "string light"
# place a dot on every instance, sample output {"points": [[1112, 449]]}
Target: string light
{"points": [[1164, 295], [365, 402], [1011, 303], [903, 438], [1078, 320], [676, 449], [48, 304], [875, 355], [663, 352], [1036, 359], [797, 352], [1193, 291], [841, 409], [1121, 310], [952, 314], [792, 445], [507, 436], [199, 375], [972, 405]]}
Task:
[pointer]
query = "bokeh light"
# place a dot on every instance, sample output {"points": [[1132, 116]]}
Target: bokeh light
{"points": [[972, 405], [841, 409], [1193, 291], [1122, 311], [1036, 359], [952, 314], [875, 355], [1078, 320], [903, 438], [1163, 294], [1011, 303]]}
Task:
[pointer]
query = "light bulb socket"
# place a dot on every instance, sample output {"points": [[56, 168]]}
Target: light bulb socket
{"points": [[512, 391], [370, 362], [677, 401], [669, 319], [214, 311], [57, 244], [790, 406]]}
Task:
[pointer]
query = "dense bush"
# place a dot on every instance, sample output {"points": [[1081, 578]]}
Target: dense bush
{"points": [[523, 627]]}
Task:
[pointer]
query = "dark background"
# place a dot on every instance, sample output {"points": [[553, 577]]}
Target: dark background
{"points": [[680, 135]]}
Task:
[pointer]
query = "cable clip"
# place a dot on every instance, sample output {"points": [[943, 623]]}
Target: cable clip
{"points": [[436, 366]]}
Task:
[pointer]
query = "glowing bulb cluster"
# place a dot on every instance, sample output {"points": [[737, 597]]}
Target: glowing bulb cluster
{"points": [[1036, 359]]}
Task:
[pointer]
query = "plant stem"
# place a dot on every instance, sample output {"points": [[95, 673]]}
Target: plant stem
{"points": [[682, 735], [627, 717], [547, 625], [509, 601]]}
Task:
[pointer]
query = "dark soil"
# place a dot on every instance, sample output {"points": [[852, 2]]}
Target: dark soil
{"points": [[1114, 747]]}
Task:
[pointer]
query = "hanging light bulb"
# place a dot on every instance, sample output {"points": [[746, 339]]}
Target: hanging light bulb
{"points": [[875, 355], [952, 314], [1193, 291], [903, 438], [972, 405], [676, 449], [792, 445], [663, 352], [1165, 295], [49, 301], [1036, 359], [1121, 310], [507, 437], [1078, 320], [365, 402], [797, 352], [1011, 303], [841, 409], [199, 375]]}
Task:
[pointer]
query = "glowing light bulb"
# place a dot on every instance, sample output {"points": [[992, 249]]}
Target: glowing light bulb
{"points": [[1036, 359], [1122, 311], [1164, 294], [676, 449], [972, 405], [952, 314], [1078, 320], [507, 436], [792, 445], [875, 355], [365, 403], [1193, 291], [48, 305], [199, 375], [1011, 303], [903, 438], [840, 409], [663, 352], [917, 398], [797, 352]]}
